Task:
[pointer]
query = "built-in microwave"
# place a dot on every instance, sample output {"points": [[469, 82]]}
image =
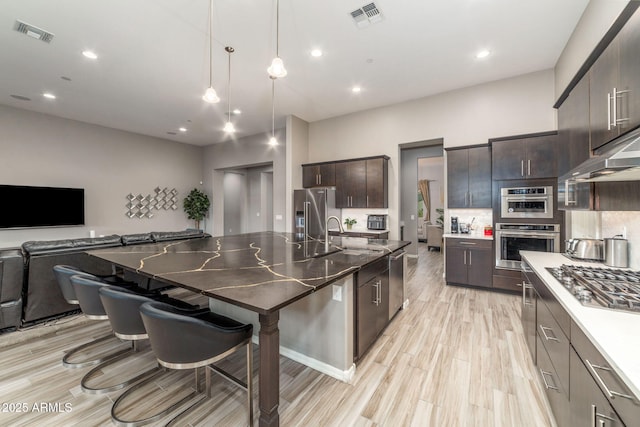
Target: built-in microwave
{"points": [[526, 202]]}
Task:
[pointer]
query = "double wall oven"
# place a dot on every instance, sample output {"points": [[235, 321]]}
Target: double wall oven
{"points": [[526, 224]]}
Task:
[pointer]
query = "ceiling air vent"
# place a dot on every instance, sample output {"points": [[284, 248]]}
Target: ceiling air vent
{"points": [[35, 32], [366, 15]]}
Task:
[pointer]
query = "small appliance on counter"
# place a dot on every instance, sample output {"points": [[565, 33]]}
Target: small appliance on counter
{"points": [[464, 228], [454, 224], [615, 252], [585, 249], [377, 222]]}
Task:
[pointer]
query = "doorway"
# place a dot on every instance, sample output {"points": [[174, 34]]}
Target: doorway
{"points": [[410, 155], [248, 200]]}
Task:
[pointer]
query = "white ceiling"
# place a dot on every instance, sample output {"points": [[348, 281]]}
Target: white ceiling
{"points": [[153, 65]]}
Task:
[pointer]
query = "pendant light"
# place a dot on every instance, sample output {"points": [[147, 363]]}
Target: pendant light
{"points": [[277, 70], [210, 94], [228, 127], [273, 141]]}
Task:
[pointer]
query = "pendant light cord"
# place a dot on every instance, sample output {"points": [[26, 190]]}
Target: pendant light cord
{"points": [[211, 44], [229, 50], [273, 108], [277, 28]]}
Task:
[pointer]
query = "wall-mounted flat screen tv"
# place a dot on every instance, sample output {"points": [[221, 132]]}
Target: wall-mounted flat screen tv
{"points": [[26, 206]]}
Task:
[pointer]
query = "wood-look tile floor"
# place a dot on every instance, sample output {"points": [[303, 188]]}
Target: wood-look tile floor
{"points": [[454, 357]]}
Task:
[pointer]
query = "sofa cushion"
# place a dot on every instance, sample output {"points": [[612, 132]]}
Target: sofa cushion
{"points": [[136, 239]]}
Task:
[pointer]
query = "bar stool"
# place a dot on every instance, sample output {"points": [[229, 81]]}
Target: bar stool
{"points": [[86, 290], [183, 339], [63, 274]]}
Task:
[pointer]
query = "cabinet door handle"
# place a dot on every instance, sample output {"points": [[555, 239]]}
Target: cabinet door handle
{"points": [[547, 337], [468, 243], [611, 393], [521, 167], [470, 199], [525, 288], [543, 374], [465, 257], [608, 111], [320, 179], [374, 297], [529, 167], [469, 257], [367, 201], [595, 415]]}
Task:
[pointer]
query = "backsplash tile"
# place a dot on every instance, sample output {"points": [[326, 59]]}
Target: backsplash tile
{"points": [[482, 217], [601, 225]]}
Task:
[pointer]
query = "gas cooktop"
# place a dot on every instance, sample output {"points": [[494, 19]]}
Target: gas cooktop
{"points": [[601, 287]]}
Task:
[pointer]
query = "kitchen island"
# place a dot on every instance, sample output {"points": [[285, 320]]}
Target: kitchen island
{"points": [[262, 273], [587, 356]]}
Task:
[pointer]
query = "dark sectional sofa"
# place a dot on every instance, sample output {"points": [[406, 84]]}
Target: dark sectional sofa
{"points": [[29, 292]]}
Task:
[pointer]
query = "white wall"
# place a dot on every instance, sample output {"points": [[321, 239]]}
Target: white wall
{"points": [[462, 117], [42, 150], [594, 23], [246, 152]]}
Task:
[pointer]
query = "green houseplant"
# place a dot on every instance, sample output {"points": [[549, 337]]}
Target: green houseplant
{"points": [[440, 220], [349, 222], [196, 205]]}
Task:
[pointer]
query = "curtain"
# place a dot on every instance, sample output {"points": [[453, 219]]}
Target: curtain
{"points": [[423, 187]]}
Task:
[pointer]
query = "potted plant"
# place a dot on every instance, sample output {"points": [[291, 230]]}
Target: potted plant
{"points": [[349, 222], [440, 220], [196, 205]]}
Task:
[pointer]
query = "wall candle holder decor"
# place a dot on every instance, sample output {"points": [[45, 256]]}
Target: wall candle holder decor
{"points": [[141, 206]]}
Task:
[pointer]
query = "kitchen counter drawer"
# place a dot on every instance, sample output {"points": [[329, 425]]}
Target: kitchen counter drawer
{"points": [[555, 343], [616, 391], [468, 243], [558, 399], [557, 311]]}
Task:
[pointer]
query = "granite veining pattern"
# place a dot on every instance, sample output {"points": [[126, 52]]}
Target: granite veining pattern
{"points": [[262, 272]]}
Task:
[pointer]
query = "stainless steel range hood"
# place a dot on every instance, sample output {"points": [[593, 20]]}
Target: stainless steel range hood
{"points": [[620, 161]]}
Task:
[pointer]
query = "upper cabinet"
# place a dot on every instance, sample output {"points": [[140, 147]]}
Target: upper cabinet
{"points": [[525, 157], [615, 86], [319, 175], [359, 183], [573, 128], [362, 183], [469, 177]]}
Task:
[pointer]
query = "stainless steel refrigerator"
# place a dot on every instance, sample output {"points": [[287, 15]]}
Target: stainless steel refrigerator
{"points": [[312, 207]]}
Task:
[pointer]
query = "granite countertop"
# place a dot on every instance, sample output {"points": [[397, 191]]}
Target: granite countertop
{"points": [[613, 332], [261, 272], [467, 236]]}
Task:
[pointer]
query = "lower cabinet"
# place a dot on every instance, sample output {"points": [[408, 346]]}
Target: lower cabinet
{"points": [[469, 261], [588, 406], [529, 305], [372, 304], [580, 385]]}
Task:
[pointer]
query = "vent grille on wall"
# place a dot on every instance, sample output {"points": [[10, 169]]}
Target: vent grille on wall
{"points": [[32, 31], [366, 15]]}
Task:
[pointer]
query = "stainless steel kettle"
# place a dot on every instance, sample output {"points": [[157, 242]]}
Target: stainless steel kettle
{"points": [[616, 252]]}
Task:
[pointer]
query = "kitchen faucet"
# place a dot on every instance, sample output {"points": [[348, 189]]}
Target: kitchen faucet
{"points": [[326, 231]]}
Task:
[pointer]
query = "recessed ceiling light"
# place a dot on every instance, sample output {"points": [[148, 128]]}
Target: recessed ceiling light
{"points": [[237, 111], [20, 97], [182, 129], [49, 95], [89, 54], [483, 54], [316, 53], [356, 89]]}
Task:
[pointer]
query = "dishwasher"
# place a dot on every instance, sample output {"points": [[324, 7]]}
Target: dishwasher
{"points": [[397, 262]]}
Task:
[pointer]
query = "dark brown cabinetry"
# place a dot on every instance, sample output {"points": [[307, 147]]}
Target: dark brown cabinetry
{"points": [[529, 304], [319, 175], [383, 235], [525, 156], [588, 406], [469, 177], [615, 82], [372, 304], [573, 128], [469, 261], [362, 183]]}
